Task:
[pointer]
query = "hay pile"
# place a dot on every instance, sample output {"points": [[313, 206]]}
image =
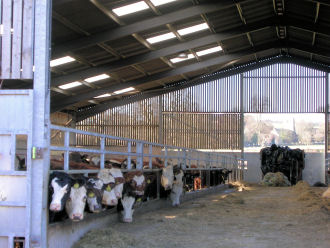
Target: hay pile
{"points": [[311, 197], [109, 238], [275, 179]]}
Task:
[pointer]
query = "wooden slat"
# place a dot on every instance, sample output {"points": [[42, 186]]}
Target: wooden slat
{"points": [[27, 41], [17, 39], [6, 39]]}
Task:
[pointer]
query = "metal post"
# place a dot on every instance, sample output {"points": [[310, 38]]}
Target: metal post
{"points": [[326, 116], [66, 152], [129, 150], [41, 122], [102, 147], [139, 151], [160, 121], [150, 156], [73, 140], [242, 115]]}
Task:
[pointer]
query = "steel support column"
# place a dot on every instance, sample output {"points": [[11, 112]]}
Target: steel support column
{"points": [[242, 115], [41, 122], [160, 120], [326, 127]]}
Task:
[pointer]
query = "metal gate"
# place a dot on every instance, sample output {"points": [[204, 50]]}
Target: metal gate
{"points": [[15, 176]]}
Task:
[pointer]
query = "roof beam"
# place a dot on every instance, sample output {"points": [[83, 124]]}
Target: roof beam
{"points": [[107, 68], [112, 34], [176, 71], [107, 12]]}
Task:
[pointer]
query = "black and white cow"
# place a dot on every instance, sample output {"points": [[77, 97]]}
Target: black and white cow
{"points": [[59, 189], [76, 203], [95, 189]]}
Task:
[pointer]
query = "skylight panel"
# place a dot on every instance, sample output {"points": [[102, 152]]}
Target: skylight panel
{"points": [[193, 29], [104, 95], [61, 61], [161, 2], [130, 8], [123, 90], [210, 50], [161, 37], [96, 78], [177, 59], [70, 85]]}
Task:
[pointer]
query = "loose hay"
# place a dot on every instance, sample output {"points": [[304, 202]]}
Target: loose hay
{"points": [[109, 238], [275, 179]]}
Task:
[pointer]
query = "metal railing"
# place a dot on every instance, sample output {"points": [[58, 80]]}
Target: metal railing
{"points": [[144, 152]]}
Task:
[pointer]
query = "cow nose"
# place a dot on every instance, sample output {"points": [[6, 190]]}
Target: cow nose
{"points": [[113, 202], [127, 220], [118, 195], [55, 207], [97, 207], [77, 217]]}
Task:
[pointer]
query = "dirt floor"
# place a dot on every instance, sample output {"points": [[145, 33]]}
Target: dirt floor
{"points": [[257, 217]]}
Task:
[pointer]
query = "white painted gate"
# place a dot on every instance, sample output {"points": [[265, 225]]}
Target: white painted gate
{"points": [[15, 140]]}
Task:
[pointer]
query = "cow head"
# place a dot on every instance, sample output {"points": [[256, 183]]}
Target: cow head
{"points": [[94, 194], [167, 177], [128, 201], [109, 196], [76, 203], [59, 187]]}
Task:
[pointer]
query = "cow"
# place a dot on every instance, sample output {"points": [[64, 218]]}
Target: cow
{"points": [[75, 205], [172, 176], [59, 189], [126, 203], [133, 191], [95, 189], [109, 197]]}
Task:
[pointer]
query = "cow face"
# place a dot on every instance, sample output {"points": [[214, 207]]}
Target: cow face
{"points": [[109, 197], [177, 189], [76, 203], [127, 213], [167, 177], [138, 183], [60, 186], [94, 194]]}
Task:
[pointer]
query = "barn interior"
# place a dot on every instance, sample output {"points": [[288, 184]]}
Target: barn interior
{"points": [[197, 77]]}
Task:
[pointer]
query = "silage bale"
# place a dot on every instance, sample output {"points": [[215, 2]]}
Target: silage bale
{"points": [[275, 179], [326, 194]]}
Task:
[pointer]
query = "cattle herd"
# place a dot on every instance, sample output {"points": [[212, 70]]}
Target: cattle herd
{"points": [[70, 196]]}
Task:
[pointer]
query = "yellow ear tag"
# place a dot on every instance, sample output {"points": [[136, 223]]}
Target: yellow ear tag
{"points": [[76, 185], [138, 200], [91, 194], [108, 188], [148, 181]]}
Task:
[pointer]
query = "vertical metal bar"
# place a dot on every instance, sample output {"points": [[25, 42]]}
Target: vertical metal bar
{"points": [[129, 150], [41, 131], [242, 115], [160, 120], [66, 152], [102, 147], [13, 150], [158, 184], [139, 151], [166, 158], [326, 116], [150, 156]]}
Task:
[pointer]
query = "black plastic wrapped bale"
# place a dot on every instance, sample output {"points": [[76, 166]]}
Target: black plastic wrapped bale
{"points": [[290, 162]]}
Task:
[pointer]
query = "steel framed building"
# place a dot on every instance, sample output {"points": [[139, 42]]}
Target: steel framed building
{"points": [[112, 52]]}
